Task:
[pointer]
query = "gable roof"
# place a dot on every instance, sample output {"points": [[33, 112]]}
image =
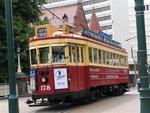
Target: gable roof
{"points": [[74, 12]]}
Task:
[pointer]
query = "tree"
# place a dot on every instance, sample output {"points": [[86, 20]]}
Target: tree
{"points": [[25, 12]]}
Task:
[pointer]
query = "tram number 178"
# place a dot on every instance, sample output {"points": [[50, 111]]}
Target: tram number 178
{"points": [[45, 87]]}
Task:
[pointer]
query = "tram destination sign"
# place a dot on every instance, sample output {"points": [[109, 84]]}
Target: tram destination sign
{"points": [[102, 37]]}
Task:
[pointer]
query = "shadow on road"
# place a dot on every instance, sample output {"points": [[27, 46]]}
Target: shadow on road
{"points": [[55, 109], [103, 104]]}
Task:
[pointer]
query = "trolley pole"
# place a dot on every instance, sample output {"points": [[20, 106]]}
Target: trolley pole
{"points": [[142, 56], [13, 99]]}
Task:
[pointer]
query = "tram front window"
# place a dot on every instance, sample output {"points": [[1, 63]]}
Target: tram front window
{"points": [[33, 56], [58, 53], [43, 55]]}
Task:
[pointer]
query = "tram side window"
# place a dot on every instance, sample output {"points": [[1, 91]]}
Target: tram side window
{"points": [[103, 57], [74, 54], [78, 55], [90, 54], [70, 55], [126, 63], [99, 57], [43, 55], [82, 54], [114, 59], [33, 56], [111, 59], [58, 53], [107, 58], [117, 60], [122, 60], [95, 55]]}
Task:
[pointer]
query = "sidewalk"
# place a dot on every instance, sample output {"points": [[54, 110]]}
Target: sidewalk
{"points": [[133, 91]]}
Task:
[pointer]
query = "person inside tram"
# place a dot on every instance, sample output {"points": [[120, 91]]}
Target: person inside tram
{"points": [[58, 58]]}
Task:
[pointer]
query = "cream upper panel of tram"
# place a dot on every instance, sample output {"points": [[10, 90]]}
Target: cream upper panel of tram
{"points": [[81, 41]]}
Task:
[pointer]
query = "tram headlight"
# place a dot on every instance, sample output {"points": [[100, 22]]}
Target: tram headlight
{"points": [[44, 79]]}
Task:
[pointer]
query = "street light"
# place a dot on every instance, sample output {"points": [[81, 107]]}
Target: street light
{"points": [[135, 37], [19, 65]]}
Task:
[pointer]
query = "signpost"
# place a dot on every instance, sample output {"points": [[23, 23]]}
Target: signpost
{"points": [[13, 99], [142, 56]]}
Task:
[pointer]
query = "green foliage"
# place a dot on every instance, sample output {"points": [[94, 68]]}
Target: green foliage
{"points": [[45, 21], [25, 12]]}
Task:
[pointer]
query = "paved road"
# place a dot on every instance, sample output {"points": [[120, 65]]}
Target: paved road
{"points": [[127, 103]]}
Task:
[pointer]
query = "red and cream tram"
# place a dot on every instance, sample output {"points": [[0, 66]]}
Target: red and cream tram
{"points": [[72, 67]]}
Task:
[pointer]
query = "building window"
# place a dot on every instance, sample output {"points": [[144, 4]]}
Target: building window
{"points": [[147, 7], [92, 2], [107, 27], [104, 18], [97, 10]]}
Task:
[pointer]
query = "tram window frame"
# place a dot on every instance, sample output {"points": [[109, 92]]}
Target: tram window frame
{"points": [[82, 54], [117, 60], [107, 58], [45, 59], [114, 59], [95, 55], [74, 54], [99, 57], [104, 57], [126, 62], [111, 58], [31, 56], [59, 57], [70, 54], [90, 54], [122, 61], [78, 54]]}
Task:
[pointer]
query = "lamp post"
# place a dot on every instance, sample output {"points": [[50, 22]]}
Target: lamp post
{"points": [[142, 56], [13, 99], [19, 65]]}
